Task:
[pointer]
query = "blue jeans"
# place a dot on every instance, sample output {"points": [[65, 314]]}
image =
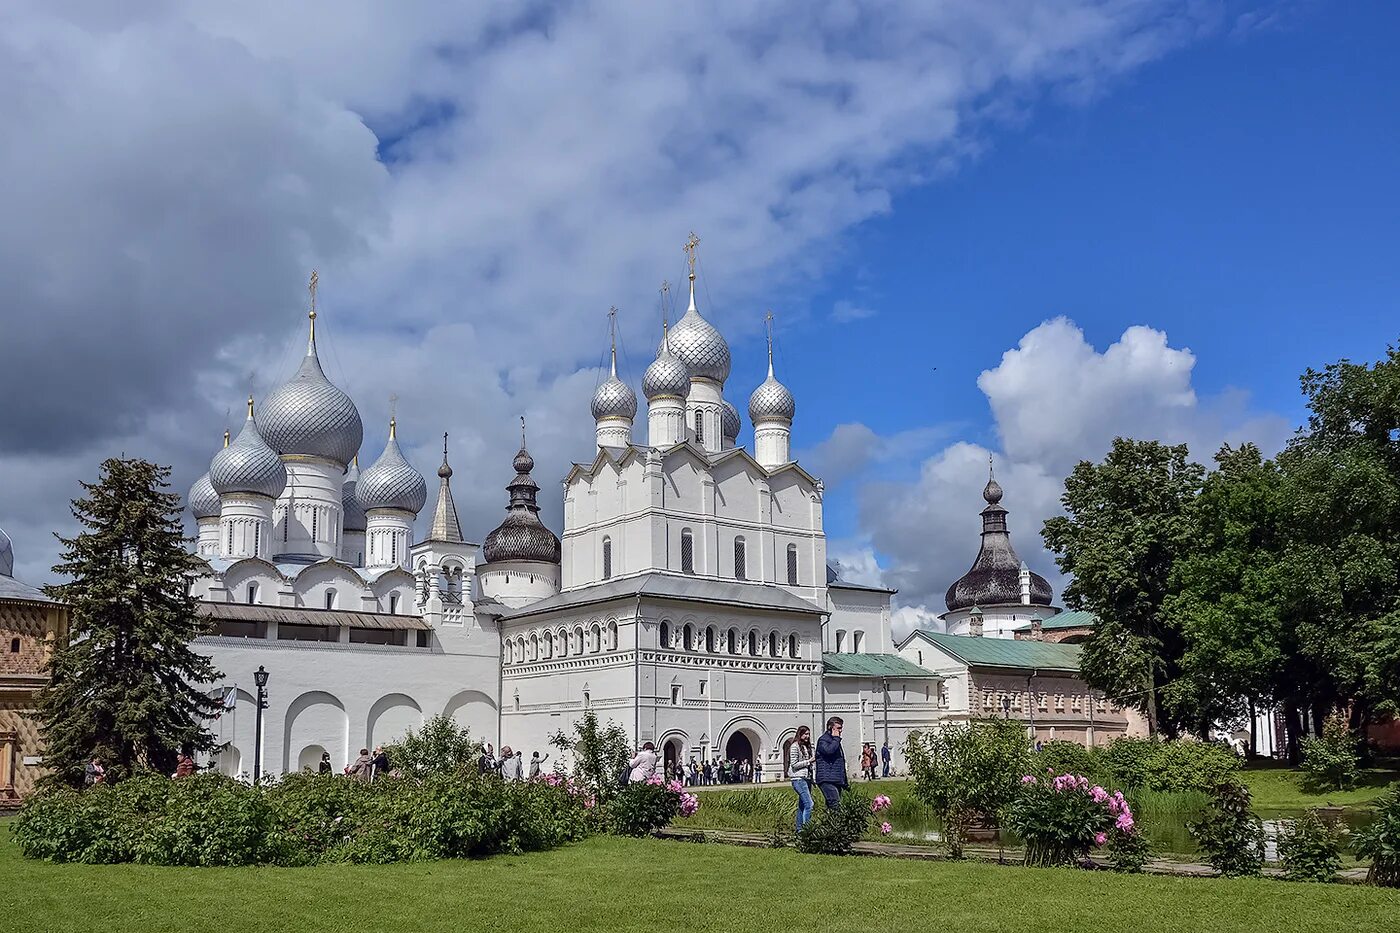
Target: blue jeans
{"points": [[804, 802]]}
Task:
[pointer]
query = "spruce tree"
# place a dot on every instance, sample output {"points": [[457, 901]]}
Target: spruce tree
{"points": [[126, 686]]}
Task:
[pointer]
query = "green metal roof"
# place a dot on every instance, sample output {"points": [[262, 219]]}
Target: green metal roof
{"points": [[1076, 618], [976, 651], [873, 665]]}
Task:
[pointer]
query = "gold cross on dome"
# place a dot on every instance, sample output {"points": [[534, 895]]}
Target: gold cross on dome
{"points": [[691, 242], [311, 287]]}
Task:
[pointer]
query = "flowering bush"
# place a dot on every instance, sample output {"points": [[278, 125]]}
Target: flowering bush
{"points": [[967, 773], [640, 809], [1061, 817]]}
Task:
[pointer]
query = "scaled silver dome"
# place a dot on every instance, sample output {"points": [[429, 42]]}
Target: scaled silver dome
{"points": [[7, 555], [248, 464], [729, 423], [203, 499], [351, 511], [614, 399], [771, 400], [308, 415], [392, 482], [699, 345], [667, 376]]}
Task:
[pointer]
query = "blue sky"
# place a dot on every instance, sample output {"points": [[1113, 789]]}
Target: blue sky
{"points": [[1005, 229]]}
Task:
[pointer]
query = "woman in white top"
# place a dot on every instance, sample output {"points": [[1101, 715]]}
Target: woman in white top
{"points": [[800, 760], [644, 765]]}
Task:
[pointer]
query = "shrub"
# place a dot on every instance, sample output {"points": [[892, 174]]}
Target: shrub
{"points": [[967, 772], [1380, 843], [1332, 760], [1166, 767], [440, 747], [1063, 757], [1128, 761], [1310, 848], [1128, 850], [1230, 835], [600, 752], [833, 832], [642, 808], [1060, 818]]}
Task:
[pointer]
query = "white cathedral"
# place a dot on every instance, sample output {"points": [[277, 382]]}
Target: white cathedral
{"points": [[688, 600]]}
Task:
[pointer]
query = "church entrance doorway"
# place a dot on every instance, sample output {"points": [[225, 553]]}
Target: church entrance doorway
{"points": [[671, 757], [739, 748]]}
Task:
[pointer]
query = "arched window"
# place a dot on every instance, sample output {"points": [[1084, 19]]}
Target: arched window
{"points": [[753, 644], [792, 646], [596, 639], [330, 599], [858, 642], [394, 547], [733, 640], [561, 643], [773, 644], [740, 559], [315, 524], [792, 564], [710, 639], [230, 537], [612, 636], [607, 558], [687, 551], [699, 427], [547, 644], [393, 604], [688, 638], [665, 634], [840, 642], [257, 539], [534, 647], [252, 594], [578, 639]]}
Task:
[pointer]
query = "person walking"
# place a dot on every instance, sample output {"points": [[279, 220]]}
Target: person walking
{"points": [[885, 759], [325, 766], [535, 764], [643, 765], [758, 771], [831, 764], [800, 773]]}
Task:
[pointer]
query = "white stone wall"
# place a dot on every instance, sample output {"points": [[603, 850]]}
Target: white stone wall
{"points": [[998, 621]]}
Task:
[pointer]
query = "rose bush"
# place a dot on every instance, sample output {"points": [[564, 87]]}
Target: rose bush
{"points": [[1060, 818]]}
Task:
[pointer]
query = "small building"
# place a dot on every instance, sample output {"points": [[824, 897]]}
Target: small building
{"points": [[1071, 627], [30, 625]]}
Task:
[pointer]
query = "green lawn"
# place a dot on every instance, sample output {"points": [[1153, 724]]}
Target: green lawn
{"points": [[1276, 787], [649, 885]]}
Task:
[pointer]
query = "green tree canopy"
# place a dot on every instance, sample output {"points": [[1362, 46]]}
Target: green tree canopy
{"points": [[126, 686]]}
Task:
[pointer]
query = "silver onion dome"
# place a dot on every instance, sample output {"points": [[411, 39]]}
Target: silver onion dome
{"points": [[7, 555], [352, 512], [203, 499], [729, 422], [699, 345], [772, 400], [308, 415], [248, 465], [667, 376], [392, 482], [614, 399]]}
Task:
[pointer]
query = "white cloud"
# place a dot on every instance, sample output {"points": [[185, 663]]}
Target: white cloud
{"points": [[477, 185], [1056, 400], [844, 312]]}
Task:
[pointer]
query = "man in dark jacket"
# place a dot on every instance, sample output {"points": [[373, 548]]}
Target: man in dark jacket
{"points": [[831, 763]]}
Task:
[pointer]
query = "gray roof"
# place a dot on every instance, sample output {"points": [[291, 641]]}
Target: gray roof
{"points": [[1073, 618], [843, 585], [10, 588], [677, 587], [391, 482], [874, 665], [297, 615]]}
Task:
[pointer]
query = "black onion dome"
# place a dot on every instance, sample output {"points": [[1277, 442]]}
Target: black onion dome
{"points": [[995, 577], [522, 536]]}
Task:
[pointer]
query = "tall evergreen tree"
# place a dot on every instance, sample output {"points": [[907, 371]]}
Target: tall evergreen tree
{"points": [[1125, 527], [126, 685]]}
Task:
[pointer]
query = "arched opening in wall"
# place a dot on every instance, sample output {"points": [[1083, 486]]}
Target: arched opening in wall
{"points": [[840, 641], [733, 642], [773, 644], [792, 564], [858, 642], [612, 636], [548, 645], [753, 644], [330, 599], [252, 594], [741, 570], [710, 639], [699, 427], [671, 756], [310, 758], [688, 637], [739, 748], [664, 638], [687, 551], [393, 604], [561, 643], [229, 760], [792, 646], [596, 639], [607, 558], [534, 647], [578, 639]]}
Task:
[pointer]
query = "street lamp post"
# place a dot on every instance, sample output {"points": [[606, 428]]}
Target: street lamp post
{"points": [[260, 679]]}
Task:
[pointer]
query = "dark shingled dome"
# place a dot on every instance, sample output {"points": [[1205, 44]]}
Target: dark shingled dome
{"points": [[522, 536], [995, 577]]}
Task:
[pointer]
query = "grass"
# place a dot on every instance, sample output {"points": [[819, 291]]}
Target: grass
{"points": [[645, 885], [1276, 787]]}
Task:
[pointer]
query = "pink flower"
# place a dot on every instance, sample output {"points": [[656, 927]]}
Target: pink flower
{"points": [[879, 803], [675, 787], [1125, 822], [1100, 839], [1098, 793], [1027, 779], [656, 779], [886, 829], [689, 804]]}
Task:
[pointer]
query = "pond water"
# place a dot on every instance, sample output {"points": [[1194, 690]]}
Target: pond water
{"points": [[1166, 832]]}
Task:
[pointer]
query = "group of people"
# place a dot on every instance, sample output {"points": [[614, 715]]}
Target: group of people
{"points": [[870, 759], [824, 766], [510, 764], [94, 772], [716, 771], [365, 768]]}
